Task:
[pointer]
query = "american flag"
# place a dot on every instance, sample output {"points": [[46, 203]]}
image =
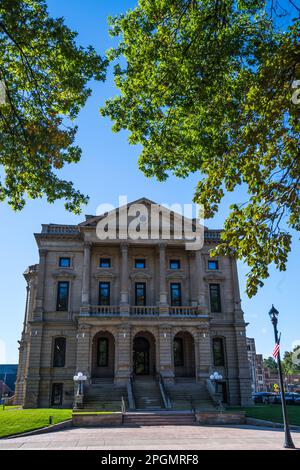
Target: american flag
{"points": [[276, 349]]}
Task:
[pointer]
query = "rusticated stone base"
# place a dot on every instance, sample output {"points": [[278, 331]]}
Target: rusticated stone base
{"points": [[211, 418], [97, 420]]}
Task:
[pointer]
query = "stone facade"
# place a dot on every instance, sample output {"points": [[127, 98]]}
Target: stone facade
{"points": [[122, 322]]}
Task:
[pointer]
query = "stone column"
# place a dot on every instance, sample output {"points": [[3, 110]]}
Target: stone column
{"points": [[123, 354], [193, 279], [162, 276], [39, 304], [244, 376], [165, 366], [124, 301], [85, 293], [201, 292], [203, 348], [238, 313], [33, 375], [83, 350]]}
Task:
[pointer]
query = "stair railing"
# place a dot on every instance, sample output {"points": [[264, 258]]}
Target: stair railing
{"points": [[123, 408], [214, 395], [165, 397], [130, 393]]}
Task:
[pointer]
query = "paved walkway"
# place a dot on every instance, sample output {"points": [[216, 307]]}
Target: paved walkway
{"points": [[155, 438]]}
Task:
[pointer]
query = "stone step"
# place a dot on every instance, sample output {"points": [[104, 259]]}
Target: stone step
{"points": [[158, 419]]}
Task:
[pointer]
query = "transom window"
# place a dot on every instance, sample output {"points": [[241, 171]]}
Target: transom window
{"points": [[213, 264], [59, 353], [102, 353], [218, 352], [174, 264], [175, 288], [64, 262], [140, 263], [104, 293], [140, 293], [62, 296], [215, 297]]}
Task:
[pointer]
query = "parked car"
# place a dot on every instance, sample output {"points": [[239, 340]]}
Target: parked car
{"points": [[290, 398], [264, 397]]}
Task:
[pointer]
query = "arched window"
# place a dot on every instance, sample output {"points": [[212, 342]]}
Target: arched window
{"points": [[59, 353], [178, 352], [218, 352]]}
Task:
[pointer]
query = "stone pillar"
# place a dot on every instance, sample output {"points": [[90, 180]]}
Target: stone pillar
{"points": [[238, 313], [39, 303], [33, 372], [84, 350], [20, 382], [193, 279], [203, 348], [200, 287], [124, 273], [123, 354], [162, 276], [244, 376], [166, 366], [85, 293]]}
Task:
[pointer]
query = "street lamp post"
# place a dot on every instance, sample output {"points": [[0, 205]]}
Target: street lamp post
{"points": [[288, 442]]}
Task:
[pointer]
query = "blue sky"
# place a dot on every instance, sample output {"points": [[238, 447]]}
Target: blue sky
{"points": [[108, 168]]}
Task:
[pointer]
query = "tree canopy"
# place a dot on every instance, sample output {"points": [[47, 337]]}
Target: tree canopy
{"points": [[206, 86], [43, 80]]}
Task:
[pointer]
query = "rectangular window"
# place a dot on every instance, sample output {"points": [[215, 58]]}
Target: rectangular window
{"points": [[59, 353], [174, 264], [64, 262], [213, 265], [215, 297], [175, 288], [102, 356], [62, 296], [104, 293], [178, 352], [140, 293], [218, 352], [57, 394], [105, 263], [140, 264]]}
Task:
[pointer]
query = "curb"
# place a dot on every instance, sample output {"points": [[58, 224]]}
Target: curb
{"points": [[269, 424], [54, 427]]}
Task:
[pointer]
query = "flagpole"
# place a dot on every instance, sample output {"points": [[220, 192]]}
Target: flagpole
{"points": [[288, 441]]}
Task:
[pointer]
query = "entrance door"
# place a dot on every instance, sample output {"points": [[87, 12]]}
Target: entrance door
{"points": [[141, 356]]}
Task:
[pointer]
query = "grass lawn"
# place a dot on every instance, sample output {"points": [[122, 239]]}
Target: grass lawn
{"points": [[14, 420], [273, 413]]}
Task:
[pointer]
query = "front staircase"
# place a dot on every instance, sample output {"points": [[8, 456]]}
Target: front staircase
{"points": [[104, 395], [147, 394], [187, 394]]}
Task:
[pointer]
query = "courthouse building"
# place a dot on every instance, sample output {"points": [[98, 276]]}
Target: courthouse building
{"points": [[145, 319]]}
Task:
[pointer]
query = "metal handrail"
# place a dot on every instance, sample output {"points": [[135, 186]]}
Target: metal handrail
{"points": [[163, 391]]}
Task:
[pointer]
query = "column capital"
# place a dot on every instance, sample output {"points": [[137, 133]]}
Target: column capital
{"points": [[124, 246], [43, 252]]}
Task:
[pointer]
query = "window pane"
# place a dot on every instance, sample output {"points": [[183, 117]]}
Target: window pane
{"points": [[140, 263], [218, 352], [104, 293], [62, 296], [102, 357], [57, 394], [64, 262], [59, 353], [213, 265], [178, 352], [215, 298], [140, 293], [176, 294], [105, 263], [174, 264]]}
